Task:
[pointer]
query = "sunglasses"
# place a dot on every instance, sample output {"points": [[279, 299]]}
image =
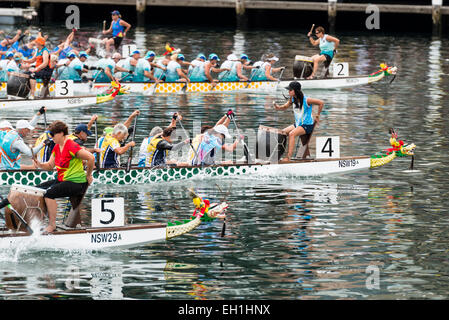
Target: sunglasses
{"points": [[318, 32]]}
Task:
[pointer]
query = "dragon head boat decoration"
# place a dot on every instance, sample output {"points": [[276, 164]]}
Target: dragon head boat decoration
{"points": [[398, 149], [115, 90], [386, 70]]}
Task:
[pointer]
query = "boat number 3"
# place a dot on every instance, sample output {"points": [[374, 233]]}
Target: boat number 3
{"points": [[108, 212], [64, 88], [341, 69], [327, 147]]}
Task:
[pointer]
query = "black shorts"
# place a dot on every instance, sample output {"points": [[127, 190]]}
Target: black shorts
{"points": [[62, 189], [308, 128], [328, 60], [117, 41], [44, 74]]}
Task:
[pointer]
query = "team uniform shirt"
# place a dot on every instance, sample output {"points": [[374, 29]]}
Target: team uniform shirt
{"points": [[3, 70], [108, 158], [157, 151], [104, 63], [303, 116], [11, 148], [12, 66], [143, 152], [45, 153], [207, 150], [197, 72], [117, 29], [158, 72], [229, 75], [259, 74], [68, 166], [27, 52], [327, 47], [72, 71], [171, 74]]}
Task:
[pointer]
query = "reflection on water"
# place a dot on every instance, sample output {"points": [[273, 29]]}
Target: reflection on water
{"points": [[285, 238]]}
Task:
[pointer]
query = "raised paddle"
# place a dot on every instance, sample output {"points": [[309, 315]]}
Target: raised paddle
{"points": [[245, 147], [130, 158]]}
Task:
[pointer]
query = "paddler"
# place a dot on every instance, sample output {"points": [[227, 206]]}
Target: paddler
{"points": [[160, 145], [148, 71], [204, 72], [302, 110], [174, 71], [264, 70], [235, 68], [72, 180], [143, 151], [6, 43], [106, 67], [328, 46], [43, 69], [12, 145], [213, 141], [161, 67], [111, 147], [73, 68], [118, 28]]}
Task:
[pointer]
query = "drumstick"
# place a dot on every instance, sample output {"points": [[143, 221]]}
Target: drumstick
{"points": [[104, 25], [311, 29]]}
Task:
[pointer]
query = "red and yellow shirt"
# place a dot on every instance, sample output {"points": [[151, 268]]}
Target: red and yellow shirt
{"points": [[68, 166]]}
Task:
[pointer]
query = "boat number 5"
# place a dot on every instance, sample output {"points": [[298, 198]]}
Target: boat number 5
{"points": [[327, 147], [64, 88], [108, 212], [341, 69]]}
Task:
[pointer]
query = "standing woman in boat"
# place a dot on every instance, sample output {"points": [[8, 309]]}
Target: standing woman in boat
{"points": [[43, 69], [328, 46], [302, 110], [72, 180], [119, 28]]}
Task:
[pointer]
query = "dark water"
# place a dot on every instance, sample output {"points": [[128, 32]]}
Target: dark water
{"points": [[285, 238]]}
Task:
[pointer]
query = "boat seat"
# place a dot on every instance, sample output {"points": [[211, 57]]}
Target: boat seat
{"points": [[302, 146]]}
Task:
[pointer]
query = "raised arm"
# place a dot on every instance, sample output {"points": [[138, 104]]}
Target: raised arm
{"points": [[128, 121]]}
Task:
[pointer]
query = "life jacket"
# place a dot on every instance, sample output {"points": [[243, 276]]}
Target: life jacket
{"points": [[9, 159], [40, 57], [108, 158], [155, 157], [45, 153]]}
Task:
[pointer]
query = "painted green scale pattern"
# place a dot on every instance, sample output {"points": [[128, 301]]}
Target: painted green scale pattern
{"points": [[135, 176]]}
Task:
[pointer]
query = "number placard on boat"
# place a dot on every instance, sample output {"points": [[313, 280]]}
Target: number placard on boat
{"points": [[327, 147], [127, 49], [108, 212], [64, 88], [341, 69]]}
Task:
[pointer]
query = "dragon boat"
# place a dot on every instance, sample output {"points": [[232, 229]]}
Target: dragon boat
{"points": [[22, 228], [55, 103], [258, 168], [149, 88]]}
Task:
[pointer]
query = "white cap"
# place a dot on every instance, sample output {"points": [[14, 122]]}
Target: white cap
{"points": [[223, 130], [116, 55], [6, 124], [232, 57], [23, 124], [273, 58]]}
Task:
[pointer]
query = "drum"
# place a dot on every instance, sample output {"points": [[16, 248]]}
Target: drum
{"points": [[302, 67], [28, 202], [18, 84], [271, 143]]}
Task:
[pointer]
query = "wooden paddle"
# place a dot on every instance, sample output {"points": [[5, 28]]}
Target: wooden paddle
{"points": [[311, 29], [130, 158], [27, 226], [153, 89], [223, 229]]}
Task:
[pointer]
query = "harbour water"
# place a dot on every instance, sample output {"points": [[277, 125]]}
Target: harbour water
{"points": [[377, 234]]}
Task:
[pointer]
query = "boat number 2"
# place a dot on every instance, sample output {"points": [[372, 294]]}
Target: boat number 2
{"points": [[108, 212], [64, 88], [327, 147], [341, 69]]}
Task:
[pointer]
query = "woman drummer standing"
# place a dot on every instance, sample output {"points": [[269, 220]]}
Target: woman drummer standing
{"points": [[72, 180], [119, 28], [302, 110], [328, 46]]}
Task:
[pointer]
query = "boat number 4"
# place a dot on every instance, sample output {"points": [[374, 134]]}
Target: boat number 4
{"points": [[108, 212], [341, 69], [64, 88], [327, 147]]}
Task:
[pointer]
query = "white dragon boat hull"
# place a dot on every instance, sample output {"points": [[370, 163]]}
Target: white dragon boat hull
{"points": [[119, 176]]}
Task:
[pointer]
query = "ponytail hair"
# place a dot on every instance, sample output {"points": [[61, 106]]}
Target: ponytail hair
{"points": [[299, 95]]}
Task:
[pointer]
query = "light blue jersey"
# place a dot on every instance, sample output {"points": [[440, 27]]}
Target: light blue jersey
{"points": [[197, 72], [303, 116], [172, 75], [327, 47], [72, 71], [103, 63], [230, 75]]}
